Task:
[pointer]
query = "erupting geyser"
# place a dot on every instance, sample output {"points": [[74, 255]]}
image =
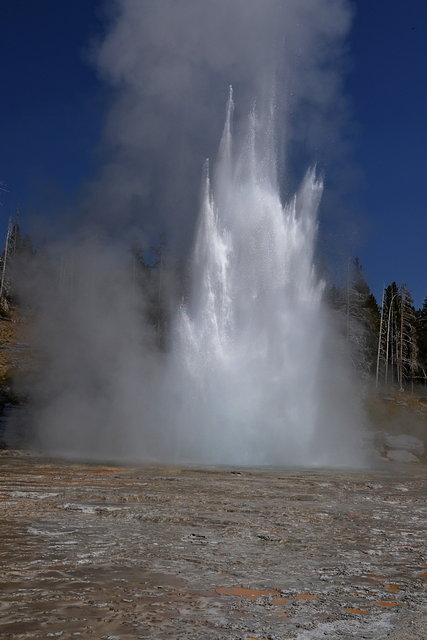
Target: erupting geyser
{"points": [[253, 373]]}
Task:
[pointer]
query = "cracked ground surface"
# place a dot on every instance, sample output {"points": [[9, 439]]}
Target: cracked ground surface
{"points": [[95, 551]]}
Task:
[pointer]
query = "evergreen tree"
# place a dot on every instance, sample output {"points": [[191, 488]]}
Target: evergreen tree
{"points": [[362, 319], [398, 343], [407, 347], [388, 331], [358, 316], [421, 336], [16, 248]]}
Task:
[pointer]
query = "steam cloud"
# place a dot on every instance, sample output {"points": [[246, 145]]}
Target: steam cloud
{"points": [[170, 64]]}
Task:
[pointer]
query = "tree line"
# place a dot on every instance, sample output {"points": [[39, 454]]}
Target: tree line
{"points": [[388, 340], [16, 246]]}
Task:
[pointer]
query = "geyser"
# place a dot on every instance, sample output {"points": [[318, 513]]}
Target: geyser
{"points": [[254, 369], [254, 373]]}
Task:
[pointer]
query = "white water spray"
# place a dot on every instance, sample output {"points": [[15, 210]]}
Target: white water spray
{"points": [[251, 343], [255, 374]]}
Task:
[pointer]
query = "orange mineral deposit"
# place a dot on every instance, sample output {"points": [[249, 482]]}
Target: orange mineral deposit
{"points": [[252, 594], [392, 587]]}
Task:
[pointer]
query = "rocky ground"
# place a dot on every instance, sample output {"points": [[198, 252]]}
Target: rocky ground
{"points": [[90, 551]]}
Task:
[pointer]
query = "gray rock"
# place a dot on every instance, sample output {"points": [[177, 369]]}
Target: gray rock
{"points": [[400, 455], [405, 443]]}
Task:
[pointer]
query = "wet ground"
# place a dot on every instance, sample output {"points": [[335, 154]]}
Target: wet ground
{"points": [[90, 551]]}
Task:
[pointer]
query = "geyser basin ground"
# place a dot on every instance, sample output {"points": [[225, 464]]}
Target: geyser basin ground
{"points": [[90, 551]]}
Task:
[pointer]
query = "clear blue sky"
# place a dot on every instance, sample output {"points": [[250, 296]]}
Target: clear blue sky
{"points": [[388, 89], [52, 108]]}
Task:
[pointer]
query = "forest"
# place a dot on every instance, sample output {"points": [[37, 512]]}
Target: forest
{"points": [[388, 338]]}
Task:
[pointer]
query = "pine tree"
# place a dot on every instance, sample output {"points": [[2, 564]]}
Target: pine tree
{"points": [[397, 357], [407, 348], [15, 248], [421, 336], [362, 319], [388, 329]]}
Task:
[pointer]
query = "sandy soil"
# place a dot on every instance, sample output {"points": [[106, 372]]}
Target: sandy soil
{"points": [[90, 551]]}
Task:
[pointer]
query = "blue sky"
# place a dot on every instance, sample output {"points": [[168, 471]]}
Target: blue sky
{"points": [[53, 107], [52, 103], [388, 90]]}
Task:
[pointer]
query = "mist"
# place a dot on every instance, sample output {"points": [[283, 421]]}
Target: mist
{"points": [[169, 65], [113, 383]]}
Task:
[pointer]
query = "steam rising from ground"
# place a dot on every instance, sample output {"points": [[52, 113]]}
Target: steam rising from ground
{"points": [[252, 372]]}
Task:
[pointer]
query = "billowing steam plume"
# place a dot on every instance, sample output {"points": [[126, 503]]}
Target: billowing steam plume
{"points": [[250, 371], [170, 64]]}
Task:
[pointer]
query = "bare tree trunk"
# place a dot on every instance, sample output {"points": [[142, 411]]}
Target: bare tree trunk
{"points": [[379, 340], [6, 247], [392, 349], [388, 340], [401, 346]]}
